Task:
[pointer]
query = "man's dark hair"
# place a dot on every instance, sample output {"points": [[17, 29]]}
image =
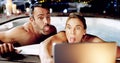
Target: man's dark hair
{"points": [[80, 17], [43, 5]]}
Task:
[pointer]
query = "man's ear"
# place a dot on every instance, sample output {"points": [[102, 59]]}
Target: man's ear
{"points": [[31, 19]]}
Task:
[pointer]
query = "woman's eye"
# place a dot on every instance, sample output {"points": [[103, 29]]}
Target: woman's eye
{"points": [[68, 27]]}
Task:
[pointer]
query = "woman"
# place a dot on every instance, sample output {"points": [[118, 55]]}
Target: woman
{"points": [[75, 32]]}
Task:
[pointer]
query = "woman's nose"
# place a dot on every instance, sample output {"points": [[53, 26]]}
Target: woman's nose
{"points": [[73, 31]]}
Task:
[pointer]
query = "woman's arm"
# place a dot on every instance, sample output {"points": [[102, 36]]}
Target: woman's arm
{"points": [[45, 55], [46, 47]]}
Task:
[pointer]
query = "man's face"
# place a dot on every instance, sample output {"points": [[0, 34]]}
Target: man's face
{"points": [[41, 17], [74, 30]]}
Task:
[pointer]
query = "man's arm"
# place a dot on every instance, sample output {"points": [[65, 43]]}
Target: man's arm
{"points": [[8, 36], [2, 37], [7, 41], [6, 45]]}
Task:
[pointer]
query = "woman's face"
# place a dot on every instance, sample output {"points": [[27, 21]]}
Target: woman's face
{"points": [[74, 30]]}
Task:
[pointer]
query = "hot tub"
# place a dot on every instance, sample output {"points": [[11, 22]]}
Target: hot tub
{"points": [[105, 28]]}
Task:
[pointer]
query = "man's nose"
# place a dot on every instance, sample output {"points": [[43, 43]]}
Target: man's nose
{"points": [[46, 21]]}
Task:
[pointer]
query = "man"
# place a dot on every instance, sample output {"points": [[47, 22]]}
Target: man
{"points": [[36, 30], [75, 32]]}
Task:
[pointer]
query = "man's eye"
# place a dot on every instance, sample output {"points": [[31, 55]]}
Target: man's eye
{"points": [[78, 28], [40, 18]]}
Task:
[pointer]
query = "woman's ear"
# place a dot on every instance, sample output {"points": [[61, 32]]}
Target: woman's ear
{"points": [[84, 32]]}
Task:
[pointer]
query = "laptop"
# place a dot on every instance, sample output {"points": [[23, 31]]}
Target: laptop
{"points": [[85, 52]]}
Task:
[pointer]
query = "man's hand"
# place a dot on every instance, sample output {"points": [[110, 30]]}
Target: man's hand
{"points": [[6, 47], [7, 51]]}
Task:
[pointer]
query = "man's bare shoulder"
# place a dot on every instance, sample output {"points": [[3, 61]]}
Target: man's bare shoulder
{"points": [[21, 28], [16, 29], [9, 35]]}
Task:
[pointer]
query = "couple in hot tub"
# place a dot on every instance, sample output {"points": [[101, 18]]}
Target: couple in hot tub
{"points": [[38, 29]]}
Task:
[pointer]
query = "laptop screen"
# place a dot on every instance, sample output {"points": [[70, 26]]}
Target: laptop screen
{"points": [[85, 53]]}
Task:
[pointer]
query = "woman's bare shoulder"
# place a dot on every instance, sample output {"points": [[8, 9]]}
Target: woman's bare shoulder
{"points": [[61, 33], [97, 39], [60, 36], [92, 38]]}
